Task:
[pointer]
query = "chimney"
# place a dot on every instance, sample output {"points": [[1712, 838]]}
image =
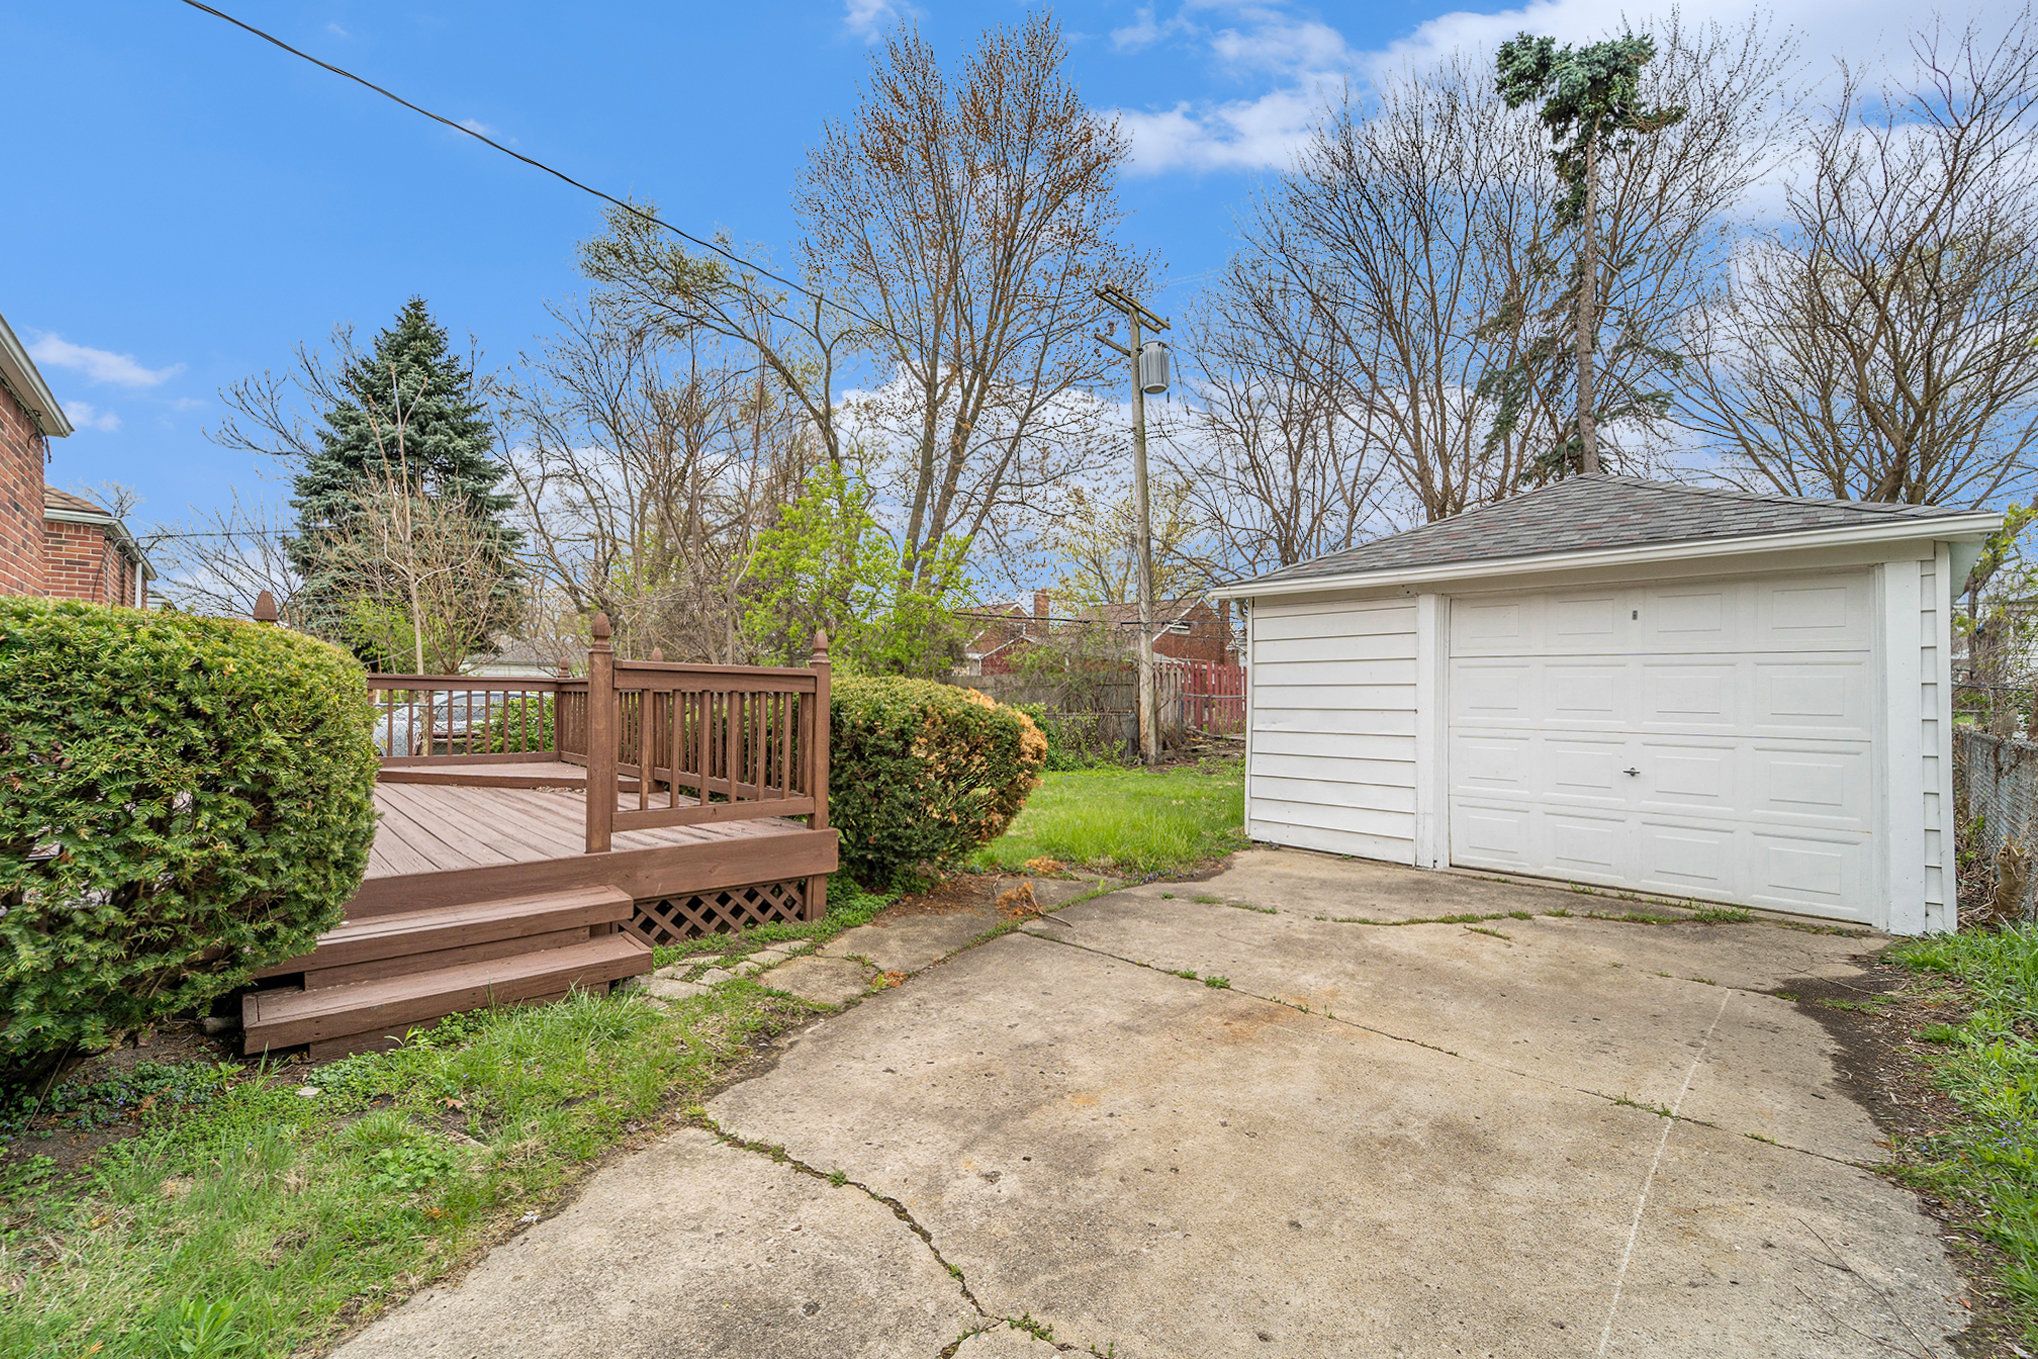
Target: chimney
{"points": [[1040, 602]]}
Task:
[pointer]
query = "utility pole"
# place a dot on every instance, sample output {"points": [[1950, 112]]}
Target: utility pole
{"points": [[1149, 374]]}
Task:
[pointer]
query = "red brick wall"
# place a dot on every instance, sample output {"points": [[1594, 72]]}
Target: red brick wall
{"points": [[81, 562], [21, 535]]}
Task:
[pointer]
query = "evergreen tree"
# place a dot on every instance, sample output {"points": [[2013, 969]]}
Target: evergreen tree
{"points": [[406, 416], [1591, 101]]}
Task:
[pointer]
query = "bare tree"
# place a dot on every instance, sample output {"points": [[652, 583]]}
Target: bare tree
{"points": [[958, 225], [972, 218], [1878, 345], [222, 560], [647, 461], [1092, 542], [422, 563], [1420, 226], [1273, 465], [1413, 223]]}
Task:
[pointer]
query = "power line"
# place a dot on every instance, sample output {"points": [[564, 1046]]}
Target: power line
{"points": [[652, 218]]}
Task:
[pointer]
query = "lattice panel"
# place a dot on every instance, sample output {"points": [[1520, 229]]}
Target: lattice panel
{"points": [[666, 920]]}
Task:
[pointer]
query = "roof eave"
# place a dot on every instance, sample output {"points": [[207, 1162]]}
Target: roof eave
{"points": [[1952, 527], [100, 519], [21, 377]]}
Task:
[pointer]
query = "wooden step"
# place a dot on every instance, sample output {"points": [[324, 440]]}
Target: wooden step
{"points": [[367, 1011], [469, 931]]}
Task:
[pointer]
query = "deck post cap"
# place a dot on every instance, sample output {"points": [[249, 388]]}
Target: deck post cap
{"points": [[600, 627], [658, 653], [820, 644], [265, 608]]}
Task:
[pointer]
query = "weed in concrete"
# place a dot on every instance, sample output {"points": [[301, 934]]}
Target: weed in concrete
{"points": [[838, 1177], [1659, 1110], [1218, 983], [1722, 915], [1248, 906], [1167, 896], [1039, 1330], [1186, 974], [1207, 899], [1485, 930]]}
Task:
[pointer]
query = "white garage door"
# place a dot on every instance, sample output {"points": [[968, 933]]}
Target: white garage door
{"points": [[1708, 739]]}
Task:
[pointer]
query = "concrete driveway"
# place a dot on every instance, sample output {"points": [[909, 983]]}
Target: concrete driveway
{"points": [[1284, 1112]]}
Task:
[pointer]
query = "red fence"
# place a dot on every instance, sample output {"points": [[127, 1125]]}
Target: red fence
{"points": [[1212, 695]]}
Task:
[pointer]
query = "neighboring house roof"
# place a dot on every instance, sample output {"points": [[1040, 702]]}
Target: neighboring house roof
{"points": [[64, 507], [19, 375], [1601, 516]]}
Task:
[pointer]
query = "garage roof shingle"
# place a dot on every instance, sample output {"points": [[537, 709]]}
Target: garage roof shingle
{"points": [[1586, 513]]}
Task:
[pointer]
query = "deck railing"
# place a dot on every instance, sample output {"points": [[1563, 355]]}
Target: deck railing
{"points": [[702, 743], [440, 719], [663, 744]]}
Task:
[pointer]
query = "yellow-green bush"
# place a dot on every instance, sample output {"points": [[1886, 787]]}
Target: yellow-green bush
{"points": [[921, 773], [183, 801]]}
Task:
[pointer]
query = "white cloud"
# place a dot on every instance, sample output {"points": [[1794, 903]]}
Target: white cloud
{"points": [[99, 365], [85, 415], [476, 125], [1302, 62], [867, 19], [337, 29], [1288, 63]]}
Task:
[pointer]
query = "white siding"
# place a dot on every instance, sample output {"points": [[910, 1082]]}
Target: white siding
{"points": [[1935, 699], [1331, 763]]}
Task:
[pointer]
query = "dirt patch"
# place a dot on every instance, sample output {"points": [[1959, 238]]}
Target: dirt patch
{"points": [[956, 892], [1874, 1019], [71, 1126]]}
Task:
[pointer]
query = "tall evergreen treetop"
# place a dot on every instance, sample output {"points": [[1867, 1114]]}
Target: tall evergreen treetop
{"points": [[408, 409], [407, 413]]}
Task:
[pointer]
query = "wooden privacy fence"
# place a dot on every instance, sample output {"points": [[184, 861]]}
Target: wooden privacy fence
{"points": [[1212, 695]]}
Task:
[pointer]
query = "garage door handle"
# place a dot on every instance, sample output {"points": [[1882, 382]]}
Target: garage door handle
{"points": [[1631, 773]]}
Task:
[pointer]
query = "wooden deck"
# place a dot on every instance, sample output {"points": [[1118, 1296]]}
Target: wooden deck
{"points": [[449, 828], [537, 835]]}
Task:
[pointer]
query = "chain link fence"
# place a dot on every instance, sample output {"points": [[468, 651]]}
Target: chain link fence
{"points": [[1995, 796]]}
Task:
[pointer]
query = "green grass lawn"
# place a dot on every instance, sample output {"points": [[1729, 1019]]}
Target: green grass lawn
{"points": [[1988, 1063], [1131, 820], [257, 1212]]}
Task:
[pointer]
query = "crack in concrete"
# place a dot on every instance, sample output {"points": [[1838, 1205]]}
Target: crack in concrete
{"points": [[1622, 1100], [837, 1179]]}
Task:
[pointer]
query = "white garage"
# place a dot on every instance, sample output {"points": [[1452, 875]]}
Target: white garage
{"points": [[1684, 691]]}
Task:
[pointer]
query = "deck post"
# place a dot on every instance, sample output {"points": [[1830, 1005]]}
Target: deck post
{"points": [[817, 752], [565, 669], [601, 737]]}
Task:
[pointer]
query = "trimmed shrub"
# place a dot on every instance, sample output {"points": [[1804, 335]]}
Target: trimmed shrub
{"points": [[183, 801], [921, 773]]}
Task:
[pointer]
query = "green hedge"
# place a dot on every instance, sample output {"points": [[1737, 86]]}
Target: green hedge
{"points": [[922, 773], [183, 800]]}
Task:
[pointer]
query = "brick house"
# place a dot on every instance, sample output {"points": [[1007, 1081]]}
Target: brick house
{"points": [[53, 543], [1187, 629]]}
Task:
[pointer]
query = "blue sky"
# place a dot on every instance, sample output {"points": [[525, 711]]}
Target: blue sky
{"points": [[188, 204]]}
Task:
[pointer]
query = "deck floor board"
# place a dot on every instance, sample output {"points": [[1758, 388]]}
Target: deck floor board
{"points": [[445, 827]]}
